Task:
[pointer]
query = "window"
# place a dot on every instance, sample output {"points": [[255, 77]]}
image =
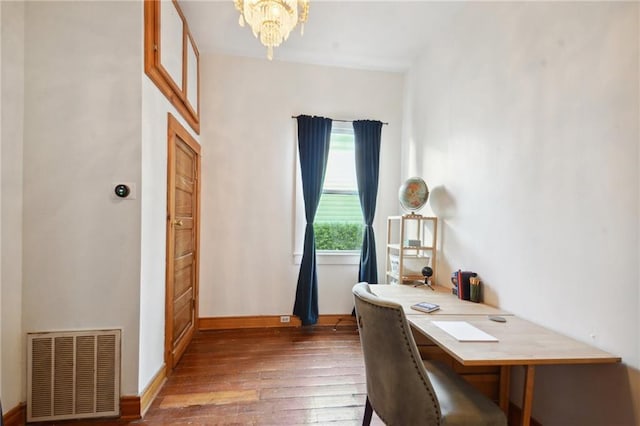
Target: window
{"points": [[338, 223], [171, 58]]}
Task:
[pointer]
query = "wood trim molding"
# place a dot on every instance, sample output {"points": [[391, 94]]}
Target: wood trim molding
{"points": [[152, 390], [270, 321], [17, 416], [133, 407], [130, 407], [156, 72]]}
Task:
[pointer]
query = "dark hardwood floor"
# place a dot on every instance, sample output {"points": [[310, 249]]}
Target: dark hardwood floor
{"points": [[287, 376]]}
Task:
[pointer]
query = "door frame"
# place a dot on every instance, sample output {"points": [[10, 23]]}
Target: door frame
{"points": [[175, 129]]}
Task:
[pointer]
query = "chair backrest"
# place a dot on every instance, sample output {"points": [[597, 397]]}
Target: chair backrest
{"points": [[398, 387]]}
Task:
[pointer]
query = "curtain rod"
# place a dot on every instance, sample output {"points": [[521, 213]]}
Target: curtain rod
{"points": [[342, 121]]}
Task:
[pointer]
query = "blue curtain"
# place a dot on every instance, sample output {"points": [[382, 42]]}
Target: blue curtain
{"points": [[314, 134], [367, 143]]}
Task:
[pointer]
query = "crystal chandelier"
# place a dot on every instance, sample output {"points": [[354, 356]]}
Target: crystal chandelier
{"points": [[272, 20]]}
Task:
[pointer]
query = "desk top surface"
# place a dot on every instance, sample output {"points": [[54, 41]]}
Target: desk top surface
{"points": [[408, 295], [520, 342]]}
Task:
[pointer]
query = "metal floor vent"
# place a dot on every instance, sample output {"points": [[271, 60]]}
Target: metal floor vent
{"points": [[73, 375]]}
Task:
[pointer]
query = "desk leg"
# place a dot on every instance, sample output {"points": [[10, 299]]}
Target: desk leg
{"points": [[527, 396], [505, 378]]}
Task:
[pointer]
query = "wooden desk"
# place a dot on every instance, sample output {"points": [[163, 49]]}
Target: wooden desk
{"points": [[407, 295], [520, 342]]}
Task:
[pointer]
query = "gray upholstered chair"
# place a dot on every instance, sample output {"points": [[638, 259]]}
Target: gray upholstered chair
{"points": [[401, 388]]}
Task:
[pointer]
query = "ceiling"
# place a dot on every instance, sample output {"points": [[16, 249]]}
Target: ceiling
{"points": [[377, 35]]}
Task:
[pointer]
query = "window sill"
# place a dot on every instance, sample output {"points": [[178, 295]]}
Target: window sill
{"points": [[332, 258]]}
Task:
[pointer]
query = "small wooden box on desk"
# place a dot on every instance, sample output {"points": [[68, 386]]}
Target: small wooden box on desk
{"points": [[411, 245]]}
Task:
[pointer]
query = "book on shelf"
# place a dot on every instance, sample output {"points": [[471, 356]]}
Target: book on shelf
{"points": [[425, 307]]}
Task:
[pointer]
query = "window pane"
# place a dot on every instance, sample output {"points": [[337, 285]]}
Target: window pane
{"points": [[338, 236], [338, 222], [341, 164], [339, 208]]}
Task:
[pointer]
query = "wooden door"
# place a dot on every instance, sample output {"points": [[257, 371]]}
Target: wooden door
{"points": [[182, 242]]}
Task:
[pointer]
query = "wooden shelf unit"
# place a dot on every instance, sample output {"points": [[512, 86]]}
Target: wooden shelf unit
{"points": [[401, 229]]}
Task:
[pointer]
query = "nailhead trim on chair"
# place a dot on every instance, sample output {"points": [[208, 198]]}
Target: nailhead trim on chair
{"points": [[403, 325]]}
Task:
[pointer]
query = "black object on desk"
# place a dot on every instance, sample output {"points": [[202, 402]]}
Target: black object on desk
{"points": [[427, 272]]}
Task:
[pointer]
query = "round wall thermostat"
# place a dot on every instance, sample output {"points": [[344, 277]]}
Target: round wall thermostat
{"points": [[122, 190]]}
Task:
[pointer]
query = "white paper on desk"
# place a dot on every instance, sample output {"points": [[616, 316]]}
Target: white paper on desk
{"points": [[464, 332]]}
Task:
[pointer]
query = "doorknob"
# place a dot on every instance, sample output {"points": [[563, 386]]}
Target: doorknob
{"points": [[178, 222]]}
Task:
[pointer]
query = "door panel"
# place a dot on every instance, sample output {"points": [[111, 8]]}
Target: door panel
{"points": [[183, 316], [184, 202], [182, 242], [184, 163], [184, 278]]}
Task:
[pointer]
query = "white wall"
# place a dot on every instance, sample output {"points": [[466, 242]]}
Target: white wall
{"points": [[248, 172], [153, 236], [525, 118], [83, 93], [93, 119], [634, 376], [12, 366], [1, 139]]}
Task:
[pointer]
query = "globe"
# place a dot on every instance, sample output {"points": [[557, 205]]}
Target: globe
{"points": [[413, 194]]}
